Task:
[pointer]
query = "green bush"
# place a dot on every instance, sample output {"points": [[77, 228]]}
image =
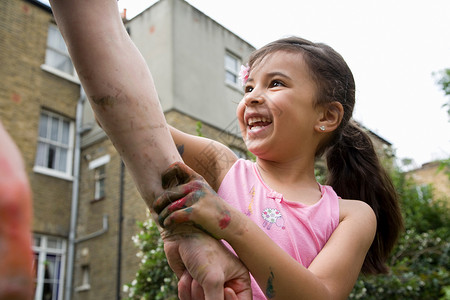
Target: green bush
{"points": [[154, 279], [420, 262]]}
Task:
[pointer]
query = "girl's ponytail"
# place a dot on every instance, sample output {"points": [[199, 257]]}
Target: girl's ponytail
{"points": [[355, 172]]}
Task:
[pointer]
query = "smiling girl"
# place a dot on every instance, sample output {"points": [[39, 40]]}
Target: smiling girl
{"points": [[299, 239]]}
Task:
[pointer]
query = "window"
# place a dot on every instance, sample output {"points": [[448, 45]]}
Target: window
{"points": [[49, 255], [55, 145], [99, 183], [232, 66], [57, 58], [99, 167], [85, 275], [85, 279]]}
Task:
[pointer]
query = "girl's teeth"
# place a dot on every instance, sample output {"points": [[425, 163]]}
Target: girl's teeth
{"points": [[254, 120]]}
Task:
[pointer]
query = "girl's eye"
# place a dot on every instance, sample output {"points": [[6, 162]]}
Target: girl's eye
{"points": [[248, 89], [276, 83]]}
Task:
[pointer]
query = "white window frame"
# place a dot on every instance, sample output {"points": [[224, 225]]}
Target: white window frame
{"points": [[42, 250], [100, 178], [232, 71], [67, 175], [95, 165], [47, 66]]}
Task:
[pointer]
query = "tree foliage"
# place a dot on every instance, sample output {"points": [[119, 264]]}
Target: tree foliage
{"points": [[421, 260], [443, 80]]}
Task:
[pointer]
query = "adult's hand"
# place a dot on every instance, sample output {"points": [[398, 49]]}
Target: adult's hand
{"points": [[205, 268]]}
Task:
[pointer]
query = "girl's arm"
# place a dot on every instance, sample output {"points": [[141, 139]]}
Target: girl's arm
{"points": [[331, 275], [209, 158], [122, 94]]}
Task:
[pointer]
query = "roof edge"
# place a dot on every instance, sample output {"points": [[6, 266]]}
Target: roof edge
{"points": [[40, 5]]}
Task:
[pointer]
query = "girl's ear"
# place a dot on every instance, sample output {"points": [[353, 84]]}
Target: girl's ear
{"points": [[330, 117]]}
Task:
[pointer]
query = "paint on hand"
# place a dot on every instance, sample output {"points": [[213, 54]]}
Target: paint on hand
{"points": [[186, 216], [270, 291], [225, 220], [177, 218], [177, 205], [196, 195]]}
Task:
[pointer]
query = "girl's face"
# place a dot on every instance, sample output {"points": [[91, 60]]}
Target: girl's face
{"points": [[277, 116]]}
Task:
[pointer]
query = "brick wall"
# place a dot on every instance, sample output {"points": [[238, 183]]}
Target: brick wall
{"points": [[26, 88], [101, 253], [429, 173]]}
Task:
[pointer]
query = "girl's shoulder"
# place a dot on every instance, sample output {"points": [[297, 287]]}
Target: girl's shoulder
{"points": [[357, 221], [356, 210]]}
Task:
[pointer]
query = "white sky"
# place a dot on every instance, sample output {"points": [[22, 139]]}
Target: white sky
{"points": [[392, 47]]}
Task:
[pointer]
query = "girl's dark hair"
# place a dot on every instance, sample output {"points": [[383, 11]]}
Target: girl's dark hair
{"points": [[354, 170]]}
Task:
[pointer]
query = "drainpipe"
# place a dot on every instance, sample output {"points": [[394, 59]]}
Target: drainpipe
{"points": [[119, 248], [75, 190]]}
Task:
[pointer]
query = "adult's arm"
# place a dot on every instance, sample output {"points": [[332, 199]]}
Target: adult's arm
{"points": [[120, 89]]}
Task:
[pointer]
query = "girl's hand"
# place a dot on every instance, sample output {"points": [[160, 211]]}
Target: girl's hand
{"points": [[189, 199]]}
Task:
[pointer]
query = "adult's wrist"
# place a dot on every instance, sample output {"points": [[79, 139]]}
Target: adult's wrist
{"points": [[180, 231]]}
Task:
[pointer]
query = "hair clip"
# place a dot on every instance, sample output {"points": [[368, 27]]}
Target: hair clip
{"points": [[243, 74]]}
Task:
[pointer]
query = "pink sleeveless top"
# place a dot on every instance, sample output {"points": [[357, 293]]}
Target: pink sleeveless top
{"points": [[299, 229]]}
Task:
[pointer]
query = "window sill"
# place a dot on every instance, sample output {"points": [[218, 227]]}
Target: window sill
{"points": [[97, 199], [60, 73], [53, 173], [83, 288]]}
